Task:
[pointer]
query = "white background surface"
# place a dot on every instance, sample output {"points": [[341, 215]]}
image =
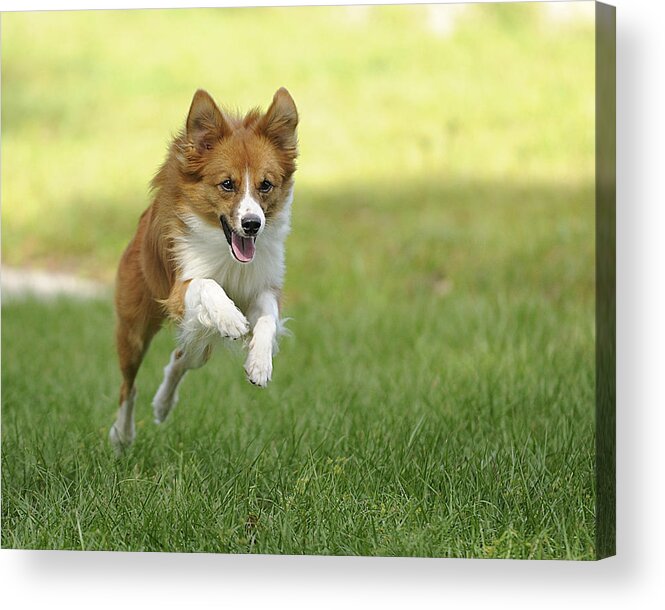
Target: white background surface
{"points": [[633, 579]]}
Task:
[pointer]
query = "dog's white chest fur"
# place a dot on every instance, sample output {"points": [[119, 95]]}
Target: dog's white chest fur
{"points": [[203, 253]]}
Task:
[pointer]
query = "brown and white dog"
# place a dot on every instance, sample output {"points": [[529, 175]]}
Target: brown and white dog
{"points": [[209, 252]]}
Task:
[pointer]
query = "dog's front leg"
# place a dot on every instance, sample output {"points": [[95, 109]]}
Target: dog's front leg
{"points": [[208, 311], [263, 316]]}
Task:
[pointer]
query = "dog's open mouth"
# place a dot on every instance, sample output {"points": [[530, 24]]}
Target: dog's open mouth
{"points": [[242, 248]]}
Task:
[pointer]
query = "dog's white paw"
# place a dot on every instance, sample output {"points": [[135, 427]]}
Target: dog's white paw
{"points": [[231, 322], [122, 432], [162, 404], [258, 365], [121, 439], [166, 396], [217, 311]]}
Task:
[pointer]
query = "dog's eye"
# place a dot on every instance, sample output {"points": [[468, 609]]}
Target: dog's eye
{"points": [[226, 185], [265, 186]]}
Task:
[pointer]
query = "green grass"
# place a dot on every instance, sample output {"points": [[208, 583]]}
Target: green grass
{"points": [[416, 411], [437, 397]]}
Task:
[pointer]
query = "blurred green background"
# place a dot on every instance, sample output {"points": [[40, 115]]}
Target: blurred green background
{"points": [[438, 395], [413, 99]]}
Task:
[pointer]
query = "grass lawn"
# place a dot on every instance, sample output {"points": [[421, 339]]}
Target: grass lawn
{"points": [[410, 414], [437, 395]]}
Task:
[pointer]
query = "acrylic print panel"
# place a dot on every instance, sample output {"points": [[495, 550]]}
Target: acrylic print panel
{"points": [[448, 293]]}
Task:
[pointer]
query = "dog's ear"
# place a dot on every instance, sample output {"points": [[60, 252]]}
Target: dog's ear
{"points": [[280, 121], [205, 122]]}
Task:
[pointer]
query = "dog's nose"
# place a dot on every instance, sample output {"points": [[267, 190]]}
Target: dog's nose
{"points": [[251, 224]]}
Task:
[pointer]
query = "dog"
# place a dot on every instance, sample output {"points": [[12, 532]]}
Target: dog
{"points": [[208, 252]]}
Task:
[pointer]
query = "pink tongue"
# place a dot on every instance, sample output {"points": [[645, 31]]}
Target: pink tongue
{"points": [[243, 247]]}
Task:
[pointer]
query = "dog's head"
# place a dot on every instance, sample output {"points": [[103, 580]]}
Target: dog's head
{"points": [[239, 171]]}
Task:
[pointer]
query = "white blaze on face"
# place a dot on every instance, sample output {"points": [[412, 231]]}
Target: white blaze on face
{"points": [[249, 207], [242, 245]]}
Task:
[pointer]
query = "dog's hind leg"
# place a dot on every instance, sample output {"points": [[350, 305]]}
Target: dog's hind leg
{"points": [[133, 339], [167, 395], [139, 317]]}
